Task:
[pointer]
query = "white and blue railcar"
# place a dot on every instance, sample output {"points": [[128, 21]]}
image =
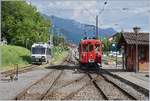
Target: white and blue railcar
{"points": [[41, 52]]}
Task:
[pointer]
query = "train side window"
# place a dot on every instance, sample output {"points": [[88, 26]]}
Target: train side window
{"points": [[90, 47], [97, 47]]}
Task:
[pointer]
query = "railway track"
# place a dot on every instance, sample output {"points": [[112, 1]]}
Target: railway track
{"points": [[135, 91], [117, 88], [40, 88], [37, 90], [127, 89], [62, 92], [13, 72], [60, 84], [67, 90], [109, 90], [105, 94], [75, 90]]}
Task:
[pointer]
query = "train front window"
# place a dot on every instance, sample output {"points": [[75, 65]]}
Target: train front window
{"points": [[90, 47], [37, 50], [85, 48]]}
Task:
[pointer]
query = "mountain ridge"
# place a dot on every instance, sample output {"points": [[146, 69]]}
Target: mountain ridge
{"points": [[74, 30]]}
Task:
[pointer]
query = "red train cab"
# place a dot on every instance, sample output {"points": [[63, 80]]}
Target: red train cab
{"points": [[90, 51]]}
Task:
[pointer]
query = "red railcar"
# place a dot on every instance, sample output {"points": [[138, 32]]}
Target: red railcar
{"points": [[90, 51]]}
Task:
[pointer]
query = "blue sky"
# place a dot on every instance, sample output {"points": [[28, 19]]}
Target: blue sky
{"points": [[117, 13]]}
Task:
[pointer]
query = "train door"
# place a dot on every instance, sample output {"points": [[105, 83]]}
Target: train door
{"points": [[98, 48], [83, 53], [91, 53], [98, 51]]}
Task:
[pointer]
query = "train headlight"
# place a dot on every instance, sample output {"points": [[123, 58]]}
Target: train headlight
{"points": [[83, 56], [33, 57], [98, 54], [43, 58]]}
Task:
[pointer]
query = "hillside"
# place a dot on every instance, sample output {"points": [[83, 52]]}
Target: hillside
{"points": [[74, 30], [21, 24], [14, 55]]}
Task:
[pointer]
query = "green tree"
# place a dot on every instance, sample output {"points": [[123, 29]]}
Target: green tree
{"points": [[58, 40], [117, 37], [106, 44], [22, 25]]}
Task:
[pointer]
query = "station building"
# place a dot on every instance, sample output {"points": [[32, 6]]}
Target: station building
{"points": [[128, 45]]}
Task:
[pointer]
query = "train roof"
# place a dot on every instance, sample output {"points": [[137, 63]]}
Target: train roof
{"points": [[86, 41], [41, 44]]}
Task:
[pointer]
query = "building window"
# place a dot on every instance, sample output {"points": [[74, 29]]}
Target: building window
{"points": [[142, 54]]}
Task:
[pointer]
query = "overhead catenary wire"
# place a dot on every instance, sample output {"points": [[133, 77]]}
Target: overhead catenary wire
{"points": [[96, 16], [104, 5], [121, 19]]}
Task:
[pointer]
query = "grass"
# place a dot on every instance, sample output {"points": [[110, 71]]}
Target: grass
{"points": [[11, 55], [58, 55]]}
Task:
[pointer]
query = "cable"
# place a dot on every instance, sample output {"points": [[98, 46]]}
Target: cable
{"points": [[104, 5], [105, 2], [93, 18], [122, 19]]}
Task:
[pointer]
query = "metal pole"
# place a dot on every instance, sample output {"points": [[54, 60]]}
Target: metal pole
{"points": [[136, 54], [116, 55], [16, 78], [136, 30], [96, 26], [123, 58]]}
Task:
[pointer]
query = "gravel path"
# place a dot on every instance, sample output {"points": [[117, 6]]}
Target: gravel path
{"points": [[9, 89]]}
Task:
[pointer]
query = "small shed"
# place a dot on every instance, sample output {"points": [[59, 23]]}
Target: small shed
{"points": [[128, 43]]}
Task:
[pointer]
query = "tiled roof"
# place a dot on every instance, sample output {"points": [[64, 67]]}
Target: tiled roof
{"points": [[130, 38]]}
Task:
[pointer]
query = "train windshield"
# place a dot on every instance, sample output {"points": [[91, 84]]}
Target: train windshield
{"points": [[38, 50], [85, 48], [90, 47]]}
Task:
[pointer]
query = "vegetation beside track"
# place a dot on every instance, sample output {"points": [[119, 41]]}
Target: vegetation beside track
{"points": [[58, 55], [11, 55]]}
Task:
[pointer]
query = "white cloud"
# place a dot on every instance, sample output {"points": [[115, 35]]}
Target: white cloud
{"points": [[116, 11]]}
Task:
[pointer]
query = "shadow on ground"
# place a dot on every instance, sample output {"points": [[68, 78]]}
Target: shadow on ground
{"points": [[78, 69], [116, 70]]}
